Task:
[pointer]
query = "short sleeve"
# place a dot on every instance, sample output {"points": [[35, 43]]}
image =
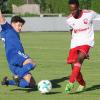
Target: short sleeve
{"points": [[68, 26], [94, 15], [6, 26]]}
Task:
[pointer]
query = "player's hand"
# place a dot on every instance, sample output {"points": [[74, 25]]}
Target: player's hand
{"points": [[2, 18]]}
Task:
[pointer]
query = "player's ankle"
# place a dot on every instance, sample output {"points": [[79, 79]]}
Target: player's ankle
{"points": [[16, 79], [69, 87]]}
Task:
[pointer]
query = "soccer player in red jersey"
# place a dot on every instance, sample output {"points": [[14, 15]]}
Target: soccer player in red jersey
{"points": [[80, 23]]}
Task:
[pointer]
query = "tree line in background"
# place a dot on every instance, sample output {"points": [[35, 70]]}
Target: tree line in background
{"points": [[50, 6]]}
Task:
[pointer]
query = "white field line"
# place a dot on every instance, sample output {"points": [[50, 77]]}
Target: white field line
{"points": [[45, 48], [57, 61], [52, 48], [34, 47]]}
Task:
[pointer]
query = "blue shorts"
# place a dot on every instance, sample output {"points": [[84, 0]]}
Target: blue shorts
{"points": [[16, 60]]}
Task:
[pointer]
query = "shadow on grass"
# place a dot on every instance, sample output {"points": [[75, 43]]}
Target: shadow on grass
{"points": [[51, 93], [55, 82], [92, 88], [26, 89]]}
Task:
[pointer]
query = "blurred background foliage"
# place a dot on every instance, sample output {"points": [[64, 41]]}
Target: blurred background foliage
{"points": [[50, 6]]}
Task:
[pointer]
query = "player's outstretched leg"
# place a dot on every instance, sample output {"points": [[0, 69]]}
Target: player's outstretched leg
{"points": [[25, 79], [6, 81], [19, 82]]}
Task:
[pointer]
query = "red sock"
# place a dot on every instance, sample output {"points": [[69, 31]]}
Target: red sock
{"points": [[75, 72], [80, 79]]}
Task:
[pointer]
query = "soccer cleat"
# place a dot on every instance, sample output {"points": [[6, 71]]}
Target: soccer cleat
{"points": [[80, 88], [69, 87], [5, 81]]}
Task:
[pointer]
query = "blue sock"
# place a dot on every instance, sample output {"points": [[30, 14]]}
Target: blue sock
{"points": [[22, 71], [11, 82], [23, 83]]}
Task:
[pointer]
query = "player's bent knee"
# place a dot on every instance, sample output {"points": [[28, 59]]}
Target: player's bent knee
{"points": [[21, 72], [27, 67], [29, 61], [30, 66]]}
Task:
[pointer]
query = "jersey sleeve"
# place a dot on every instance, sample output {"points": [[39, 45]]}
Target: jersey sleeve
{"points": [[5, 26], [94, 15], [68, 26]]}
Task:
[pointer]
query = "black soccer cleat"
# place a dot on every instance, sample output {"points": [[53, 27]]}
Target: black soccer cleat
{"points": [[5, 81]]}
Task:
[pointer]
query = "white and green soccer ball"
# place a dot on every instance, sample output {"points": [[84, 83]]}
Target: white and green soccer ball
{"points": [[44, 86]]}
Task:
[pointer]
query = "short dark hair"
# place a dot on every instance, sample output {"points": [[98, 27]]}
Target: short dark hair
{"points": [[17, 19], [74, 2]]}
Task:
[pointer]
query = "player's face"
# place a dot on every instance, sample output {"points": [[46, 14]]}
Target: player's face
{"points": [[17, 26], [73, 8]]}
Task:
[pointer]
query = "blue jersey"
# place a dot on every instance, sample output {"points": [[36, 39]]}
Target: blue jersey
{"points": [[11, 41]]}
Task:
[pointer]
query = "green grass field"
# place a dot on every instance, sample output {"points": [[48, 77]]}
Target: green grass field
{"points": [[50, 50]]}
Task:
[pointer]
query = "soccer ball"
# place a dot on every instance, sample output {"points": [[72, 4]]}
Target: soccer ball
{"points": [[44, 86]]}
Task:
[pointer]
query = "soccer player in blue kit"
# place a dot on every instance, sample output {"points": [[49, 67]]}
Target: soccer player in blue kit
{"points": [[19, 63]]}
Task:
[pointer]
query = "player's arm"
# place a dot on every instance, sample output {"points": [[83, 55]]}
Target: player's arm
{"points": [[2, 18], [2, 21], [69, 28], [95, 15], [4, 24]]}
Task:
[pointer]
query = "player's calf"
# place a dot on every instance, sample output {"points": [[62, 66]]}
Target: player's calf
{"points": [[29, 78]]}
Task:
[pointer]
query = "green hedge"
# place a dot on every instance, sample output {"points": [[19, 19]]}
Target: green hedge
{"points": [[61, 6], [58, 6], [96, 5]]}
